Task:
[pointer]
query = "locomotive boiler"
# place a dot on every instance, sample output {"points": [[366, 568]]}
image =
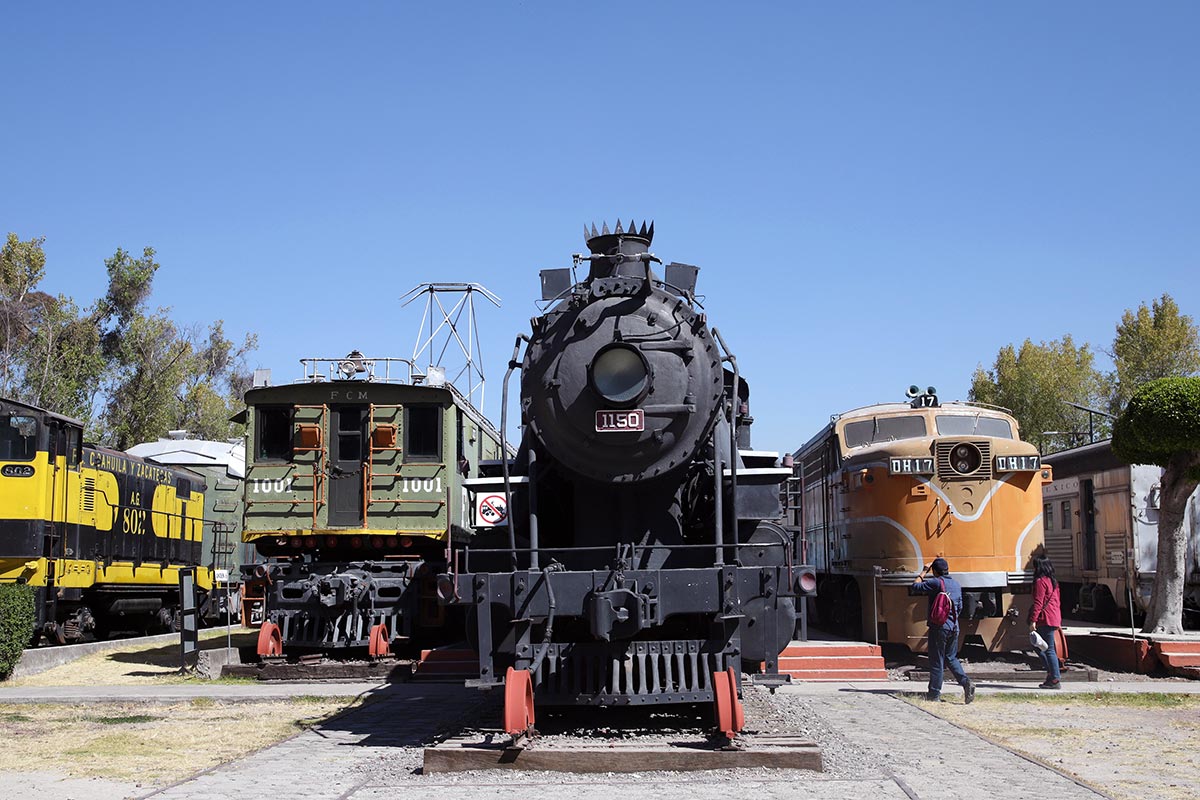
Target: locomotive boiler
{"points": [[638, 565]]}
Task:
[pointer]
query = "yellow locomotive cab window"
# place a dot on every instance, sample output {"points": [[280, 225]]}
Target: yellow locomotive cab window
{"points": [[18, 438]]}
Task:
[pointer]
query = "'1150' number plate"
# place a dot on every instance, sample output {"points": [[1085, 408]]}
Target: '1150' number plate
{"points": [[632, 420]]}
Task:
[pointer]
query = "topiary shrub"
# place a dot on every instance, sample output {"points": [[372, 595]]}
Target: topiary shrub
{"points": [[1161, 424], [17, 617]]}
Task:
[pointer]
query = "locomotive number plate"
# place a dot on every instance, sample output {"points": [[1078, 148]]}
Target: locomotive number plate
{"points": [[1018, 463], [632, 420]]}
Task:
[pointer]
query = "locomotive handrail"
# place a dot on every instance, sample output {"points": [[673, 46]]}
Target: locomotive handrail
{"points": [[512, 533], [733, 451]]}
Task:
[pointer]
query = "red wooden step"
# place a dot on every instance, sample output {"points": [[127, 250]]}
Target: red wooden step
{"points": [[832, 661]]}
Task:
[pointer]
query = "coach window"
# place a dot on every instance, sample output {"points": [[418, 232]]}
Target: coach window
{"points": [[1066, 515], [422, 433], [882, 429], [1047, 516], [18, 438], [274, 433]]}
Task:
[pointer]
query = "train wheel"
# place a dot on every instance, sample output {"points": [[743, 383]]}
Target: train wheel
{"points": [[518, 702], [270, 640], [731, 716], [380, 642]]}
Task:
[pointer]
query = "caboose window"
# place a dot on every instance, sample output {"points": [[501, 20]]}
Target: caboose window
{"points": [[274, 433], [18, 438], [422, 433], [1047, 516], [973, 425], [1067, 521], [882, 429]]}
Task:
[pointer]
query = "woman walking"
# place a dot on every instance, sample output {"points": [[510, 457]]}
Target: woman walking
{"points": [[1045, 616]]}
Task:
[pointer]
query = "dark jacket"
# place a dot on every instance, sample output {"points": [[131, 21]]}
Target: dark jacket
{"points": [[1047, 605], [932, 586]]}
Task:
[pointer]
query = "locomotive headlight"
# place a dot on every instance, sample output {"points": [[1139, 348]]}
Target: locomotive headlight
{"points": [[965, 458], [620, 374]]}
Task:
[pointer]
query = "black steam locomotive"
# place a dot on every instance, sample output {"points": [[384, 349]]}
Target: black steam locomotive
{"points": [[639, 564]]}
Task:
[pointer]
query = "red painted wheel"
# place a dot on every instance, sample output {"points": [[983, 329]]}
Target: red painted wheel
{"points": [[518, 701], [270, 640], [730, 715], [380, 641]]}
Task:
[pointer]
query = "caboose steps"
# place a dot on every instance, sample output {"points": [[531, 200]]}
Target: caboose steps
{"points": [[447, 664], [832, 661]]}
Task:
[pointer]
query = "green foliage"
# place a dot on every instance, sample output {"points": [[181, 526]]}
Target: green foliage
{"points": [[147, 374], [1035, 382], [17, 618], [1154, 342], [1160, 423]]}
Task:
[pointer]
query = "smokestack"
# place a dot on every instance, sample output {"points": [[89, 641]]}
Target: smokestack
{"points": [[628, 242]]}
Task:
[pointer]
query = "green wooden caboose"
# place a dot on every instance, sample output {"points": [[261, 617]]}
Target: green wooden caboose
{"points": [[354, 492]]}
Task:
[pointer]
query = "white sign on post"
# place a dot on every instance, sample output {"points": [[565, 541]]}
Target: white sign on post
{"points": [[491, 510], [222, 576]]}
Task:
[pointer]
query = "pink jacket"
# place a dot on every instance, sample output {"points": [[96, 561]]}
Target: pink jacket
{"points": [[1047, 607]]}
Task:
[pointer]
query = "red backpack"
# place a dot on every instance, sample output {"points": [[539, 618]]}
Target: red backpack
{"points": [[942, 607]]}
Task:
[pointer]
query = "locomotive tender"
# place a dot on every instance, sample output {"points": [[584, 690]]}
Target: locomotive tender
{"points": [[99, 534], [353, 494], [883, 490], [638, 566]]}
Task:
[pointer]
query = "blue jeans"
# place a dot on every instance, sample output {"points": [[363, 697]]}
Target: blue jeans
{"points": [[943, 649], [1049, 657]]}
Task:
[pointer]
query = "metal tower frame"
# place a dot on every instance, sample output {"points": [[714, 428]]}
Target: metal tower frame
{"points": [[451, 319]]}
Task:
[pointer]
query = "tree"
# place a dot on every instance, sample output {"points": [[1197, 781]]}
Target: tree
{"points": [[146, 374], [1036, 381], [49, 351], [1154, 342], [1161, 425]]}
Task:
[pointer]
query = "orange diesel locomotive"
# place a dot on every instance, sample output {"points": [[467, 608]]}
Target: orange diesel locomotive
{"points": [[883, 490]]}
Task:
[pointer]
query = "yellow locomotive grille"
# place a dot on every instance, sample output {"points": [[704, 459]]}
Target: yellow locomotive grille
{"points": [[87, 498], [947, 471]]}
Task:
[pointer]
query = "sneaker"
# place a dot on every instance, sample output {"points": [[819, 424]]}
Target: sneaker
{"points": [[932, 697], [1050, 685], [969, 692]]}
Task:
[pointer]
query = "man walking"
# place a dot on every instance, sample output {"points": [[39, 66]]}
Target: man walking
{"points": [[942, 619]]}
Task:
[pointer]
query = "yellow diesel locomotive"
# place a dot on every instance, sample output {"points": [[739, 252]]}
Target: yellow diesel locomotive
{"points": [[883, 490], [100, 535]]}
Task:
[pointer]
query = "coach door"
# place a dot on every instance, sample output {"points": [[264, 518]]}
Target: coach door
{"points": [[347, 425]]}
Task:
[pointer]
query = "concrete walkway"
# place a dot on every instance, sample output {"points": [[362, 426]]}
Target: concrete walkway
{"points": [[375, 751]]}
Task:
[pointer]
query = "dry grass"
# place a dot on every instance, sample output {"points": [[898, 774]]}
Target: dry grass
{"points": [[1131, 745], [148, 664], [156, 744]]}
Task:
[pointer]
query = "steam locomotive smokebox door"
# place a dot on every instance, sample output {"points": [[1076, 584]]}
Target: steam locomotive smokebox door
{"points": [[347, 434]]}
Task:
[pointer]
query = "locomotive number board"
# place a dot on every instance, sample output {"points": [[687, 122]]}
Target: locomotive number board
{"points": [[632, 420], [1018, 463], [911, 466]]}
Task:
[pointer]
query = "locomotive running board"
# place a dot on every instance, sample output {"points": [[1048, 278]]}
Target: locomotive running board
{"points": [[491, 750]]}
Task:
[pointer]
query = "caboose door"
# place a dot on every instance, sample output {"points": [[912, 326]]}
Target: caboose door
{"points": [[347, 453]]}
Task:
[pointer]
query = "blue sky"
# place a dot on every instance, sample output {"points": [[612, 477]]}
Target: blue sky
{"points": [[878, 194]]}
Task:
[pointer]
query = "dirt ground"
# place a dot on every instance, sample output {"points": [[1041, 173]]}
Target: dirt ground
{"points": [[148, 664], [144, 745], [1130, 746]]}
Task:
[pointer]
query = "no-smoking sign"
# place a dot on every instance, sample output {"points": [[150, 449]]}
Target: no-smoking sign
{"points": [[491, 510]]}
